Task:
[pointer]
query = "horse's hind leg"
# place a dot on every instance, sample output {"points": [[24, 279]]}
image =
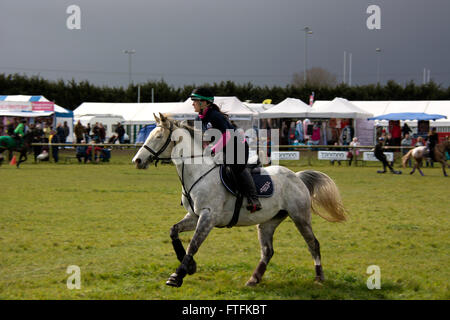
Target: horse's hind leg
{"points": [[188, 223], [304, 226], [444, 164], [418, 167], [265, 235]]}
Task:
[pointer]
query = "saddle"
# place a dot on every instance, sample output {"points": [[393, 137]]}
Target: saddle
{"points": [[263, 182]]}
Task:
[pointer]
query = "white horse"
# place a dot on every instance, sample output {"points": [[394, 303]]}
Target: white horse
{"points": [[209, 204]]}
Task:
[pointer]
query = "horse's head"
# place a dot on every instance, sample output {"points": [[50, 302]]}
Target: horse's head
{"points": [[158, 145]]}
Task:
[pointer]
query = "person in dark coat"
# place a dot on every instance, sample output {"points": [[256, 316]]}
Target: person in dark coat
{"points": [[211, 116], [432, 142], [382, 157]]}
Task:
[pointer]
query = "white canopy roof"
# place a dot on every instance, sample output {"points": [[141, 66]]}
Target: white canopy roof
{"points": [[338, 108], [258, 107], [142, 113], [232, 106], [288, 108], [384, 107], [24, 98]]}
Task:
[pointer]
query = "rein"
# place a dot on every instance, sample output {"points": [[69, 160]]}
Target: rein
{"points": [[156, 155], [188, 194]]}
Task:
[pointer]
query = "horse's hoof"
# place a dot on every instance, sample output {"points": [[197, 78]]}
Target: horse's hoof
{"points": [[252, 282], [192, 268], [319, 279], [174, 281]]}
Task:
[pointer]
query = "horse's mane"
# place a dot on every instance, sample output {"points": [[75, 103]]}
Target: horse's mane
{"points": [[183, 125]]}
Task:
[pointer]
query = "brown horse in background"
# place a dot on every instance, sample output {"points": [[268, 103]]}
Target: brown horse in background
{"points": [[419, 153]]}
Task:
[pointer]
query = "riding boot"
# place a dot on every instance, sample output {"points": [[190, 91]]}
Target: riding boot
{"points": [[249, 190]]}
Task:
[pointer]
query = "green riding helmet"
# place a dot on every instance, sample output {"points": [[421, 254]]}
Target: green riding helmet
{"points": [[202, 94]]}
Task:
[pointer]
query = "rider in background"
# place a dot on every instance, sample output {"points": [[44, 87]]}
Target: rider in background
{"points": [[211, 116], [19, 131], [382, 157]]}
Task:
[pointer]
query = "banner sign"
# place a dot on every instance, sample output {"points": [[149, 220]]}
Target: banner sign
{"points": [[370, 156], [15, 106], [43, 106], [332, 155], [285, 155]]}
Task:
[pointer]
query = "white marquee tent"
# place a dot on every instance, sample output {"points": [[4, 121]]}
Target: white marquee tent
{"points": [[288, 108], [338, 108], [136, 115], [378, 108], [59, 114]]}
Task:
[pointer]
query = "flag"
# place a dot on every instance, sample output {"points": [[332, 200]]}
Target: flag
{"points": [[311, 99]]}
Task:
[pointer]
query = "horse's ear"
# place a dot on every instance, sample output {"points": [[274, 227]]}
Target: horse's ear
{"points": [[156, 118], [163, 118]]}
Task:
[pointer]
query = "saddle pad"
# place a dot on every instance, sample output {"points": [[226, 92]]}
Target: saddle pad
{"points": [[263, 182]]}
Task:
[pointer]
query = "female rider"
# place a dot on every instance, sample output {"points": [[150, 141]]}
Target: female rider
{"points": [[211, 116]]}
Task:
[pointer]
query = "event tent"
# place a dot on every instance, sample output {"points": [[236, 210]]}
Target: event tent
{"points": [[338, 108], [35, 106], [409, 116], [137, 115], [378, 108], [288, 108]]}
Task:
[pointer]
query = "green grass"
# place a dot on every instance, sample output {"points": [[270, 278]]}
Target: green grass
{"points": [[113, 222]]}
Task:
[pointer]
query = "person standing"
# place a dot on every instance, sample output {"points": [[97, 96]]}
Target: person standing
{"points": [[120, 130], [101, 133], [55, 138], [79, 131], [432, 142], [406, 142], [60, 133], [354, 151], [66, 131]]}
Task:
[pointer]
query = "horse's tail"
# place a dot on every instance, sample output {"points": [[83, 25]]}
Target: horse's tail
{"points": [[406, 157], [324, 193]]}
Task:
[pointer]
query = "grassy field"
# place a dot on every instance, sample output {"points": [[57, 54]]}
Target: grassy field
{"points": [[113, 222]]}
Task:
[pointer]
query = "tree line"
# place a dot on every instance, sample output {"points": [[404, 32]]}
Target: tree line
{"points": [[70, 94]]}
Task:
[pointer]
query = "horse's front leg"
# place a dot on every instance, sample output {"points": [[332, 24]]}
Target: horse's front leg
{"points": [[188, 223], [204, 226], [22, 158]]}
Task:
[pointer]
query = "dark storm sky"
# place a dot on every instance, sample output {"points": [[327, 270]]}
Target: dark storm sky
{"points": [[201, 41]]}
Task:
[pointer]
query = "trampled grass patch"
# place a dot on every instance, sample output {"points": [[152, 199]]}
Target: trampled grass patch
{"points": [[113, 222]]}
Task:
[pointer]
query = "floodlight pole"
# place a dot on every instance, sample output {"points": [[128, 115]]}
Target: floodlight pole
{"points": [[307, 31], [129, 52]]}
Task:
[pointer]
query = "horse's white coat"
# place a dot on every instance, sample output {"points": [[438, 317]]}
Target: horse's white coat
{"points": [[214, 205]]}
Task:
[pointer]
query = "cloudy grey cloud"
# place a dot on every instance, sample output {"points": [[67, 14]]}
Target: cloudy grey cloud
{"points": [[199, 41]]}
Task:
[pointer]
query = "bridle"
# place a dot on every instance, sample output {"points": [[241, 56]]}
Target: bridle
{"points": [[186, 192], [163, 148]]}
